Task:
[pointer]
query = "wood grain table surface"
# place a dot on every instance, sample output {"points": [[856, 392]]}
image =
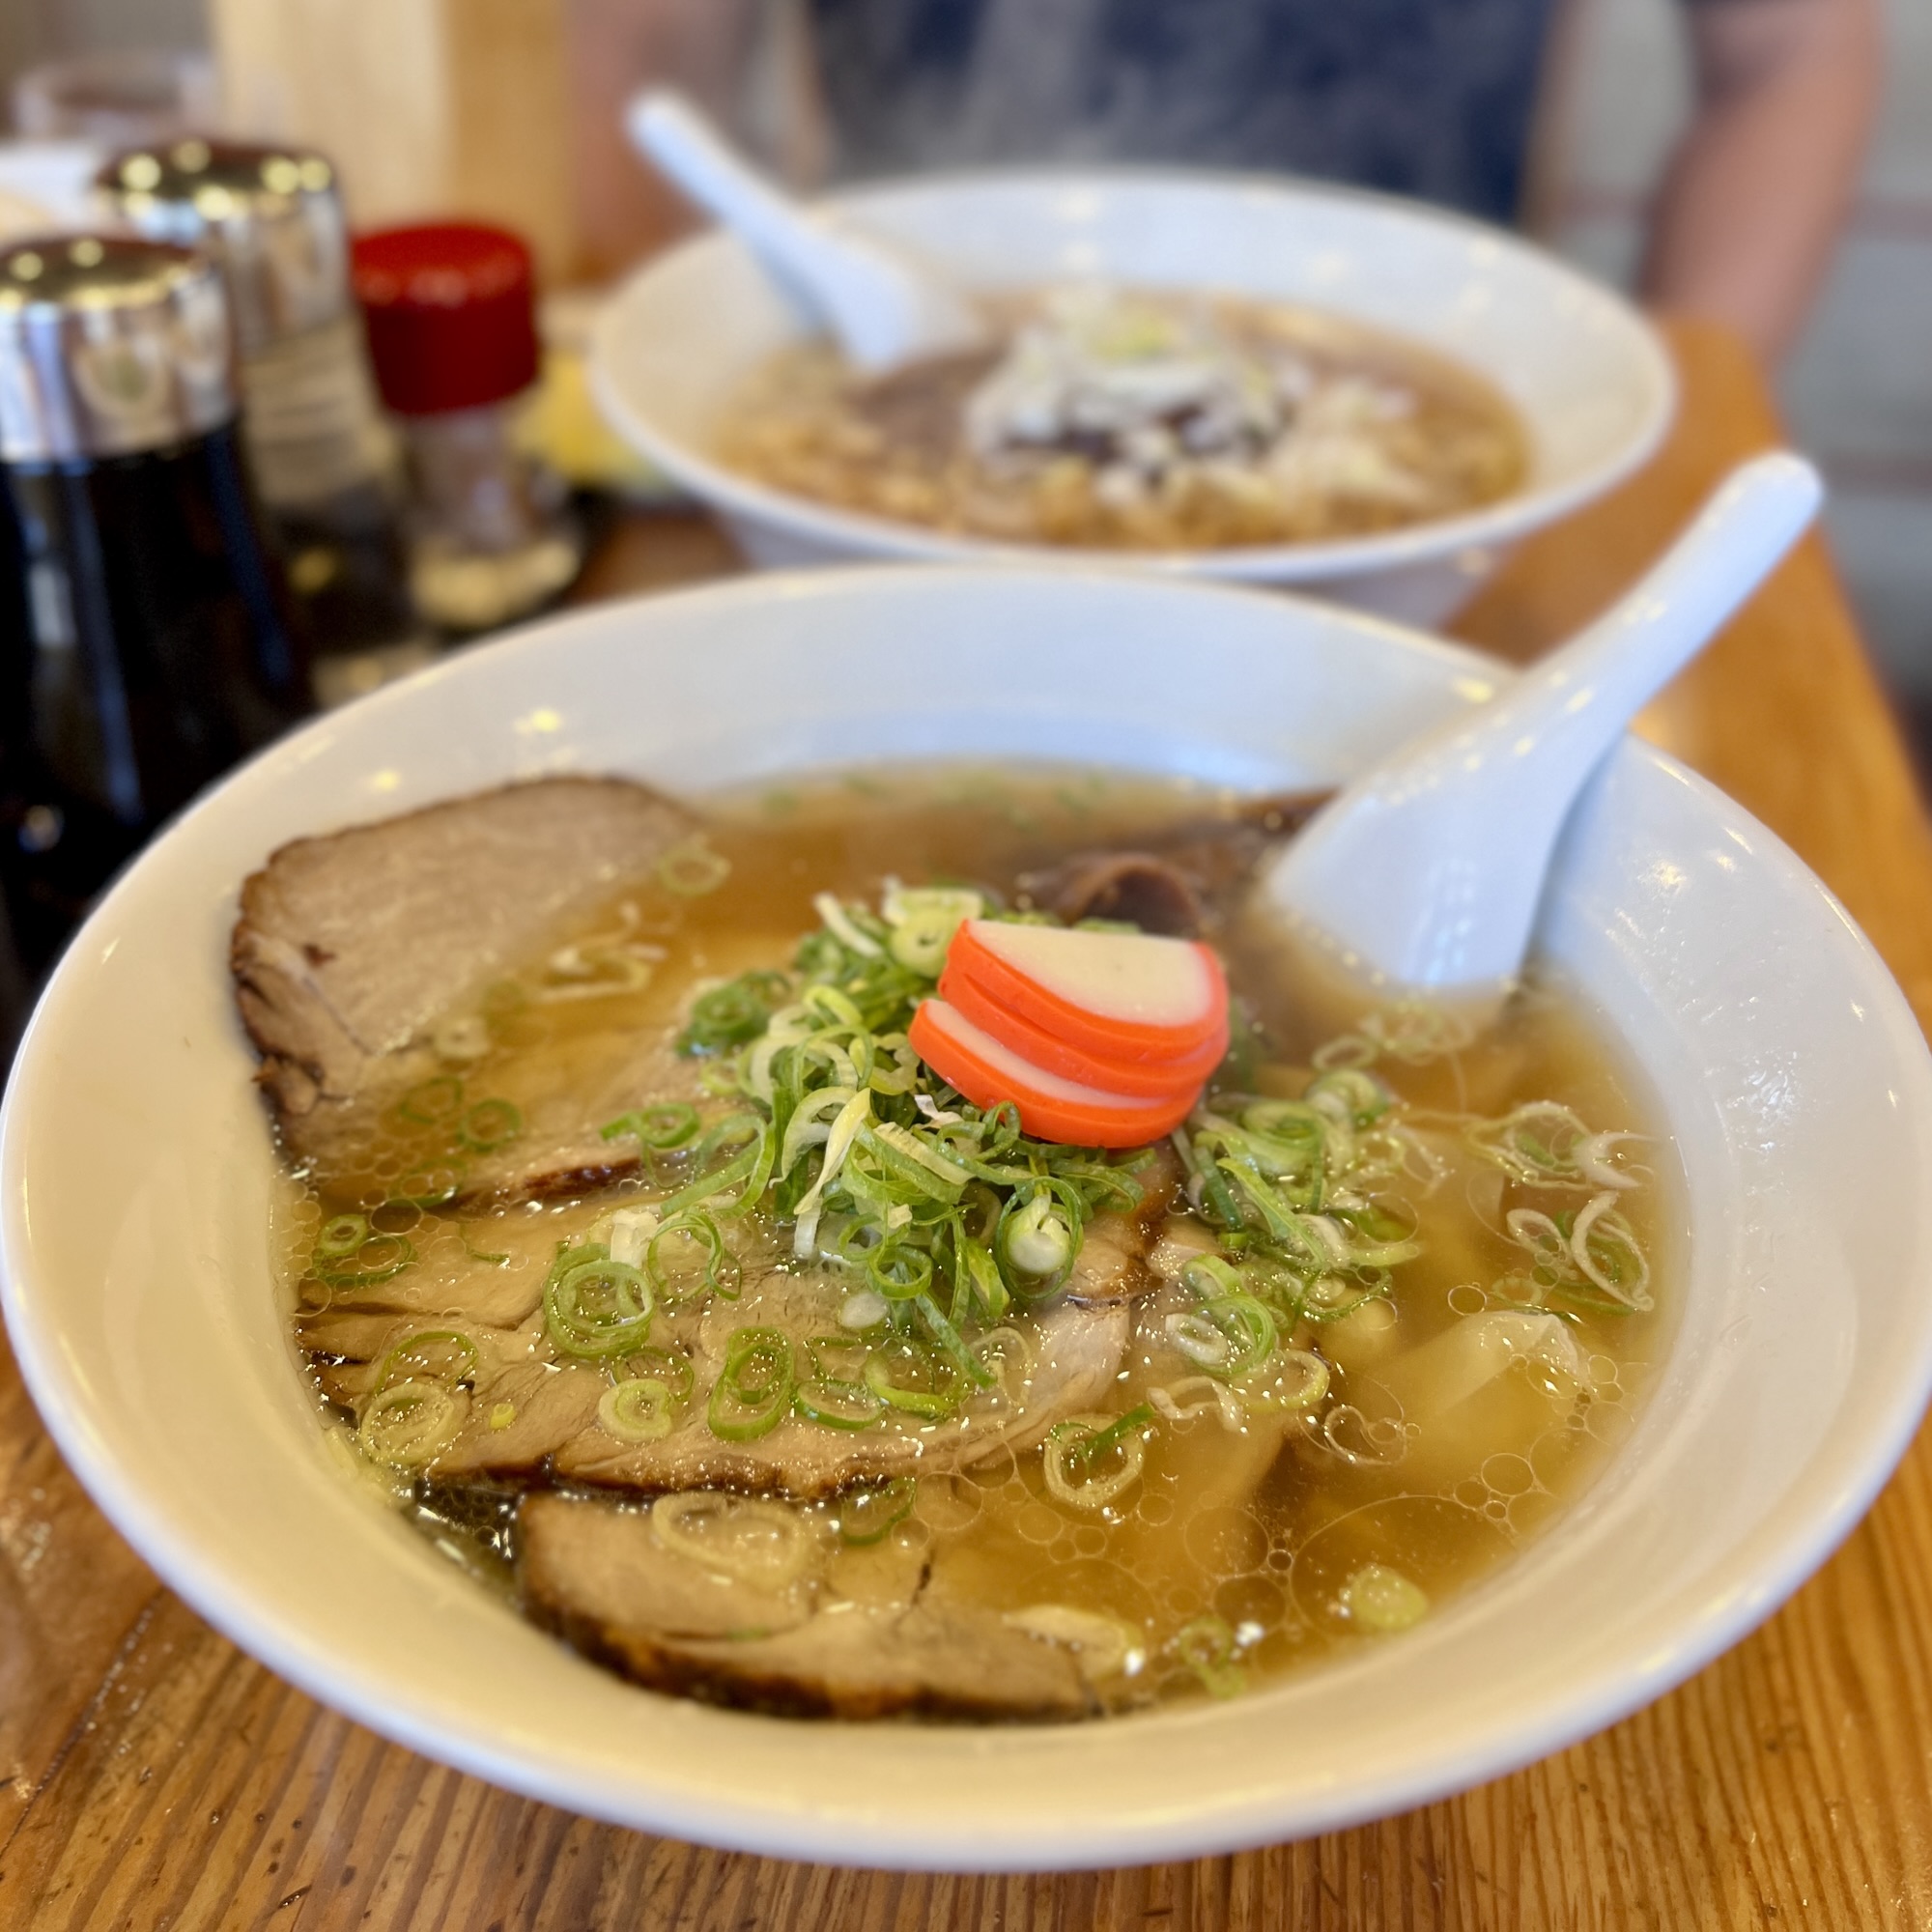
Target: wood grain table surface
{"points": [[152, 1776]]}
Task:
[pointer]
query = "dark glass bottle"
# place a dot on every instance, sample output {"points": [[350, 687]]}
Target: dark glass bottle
{"points": [[321, 453], [148, 645]]}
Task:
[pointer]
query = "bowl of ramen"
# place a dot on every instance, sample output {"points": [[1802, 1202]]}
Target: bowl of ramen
{"points": [[506, 1208], [1222, 377]]}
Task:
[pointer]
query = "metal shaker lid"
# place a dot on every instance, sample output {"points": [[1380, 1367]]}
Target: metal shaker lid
{"points": [[272, 215], [109, 345]]}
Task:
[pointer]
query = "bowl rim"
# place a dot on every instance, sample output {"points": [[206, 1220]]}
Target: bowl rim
{"points": [[1754, 1577], [860, 532]]}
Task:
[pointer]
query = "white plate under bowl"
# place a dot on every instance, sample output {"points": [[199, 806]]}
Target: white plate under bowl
{"points": [[136, 1166], [1592, 383]]}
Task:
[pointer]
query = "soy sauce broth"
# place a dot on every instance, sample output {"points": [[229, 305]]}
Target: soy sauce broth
{"points": [[1252, 1541]]}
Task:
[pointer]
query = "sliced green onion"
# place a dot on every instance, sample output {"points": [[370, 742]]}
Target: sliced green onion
{"points": [[663, 1365], [637, 1411], [341, 1236], [431, 1354], [1242, 1322], [1606, 1252], [1207, 1646], [1276, 1217], [432, 1186], [997, 1352], [1380, 1239], [947, 1175], [432, 1103], [808, 1128], [951, 1343], [863, 1308], [1074, 1446], [749, 1170], [395, 1218], [754, 1389], [852, 1117], [719, 1271], [1200, 1341], [1537, 1144], [1288, 1381], [377, 1260], [900, 1273], [979, 1289], [834, 1402], [1287, 1138], [1349, 1095], [870, 1515], [731, 1015], [839, 924], [662, 1127], [488, 1125], [461, 1037], [595, 1308], [1037, 1237], [409, 1423], [923, 922], [692, 869], [1382, 1599], [766, 1544], [913, 1378], [1330, 1296]]}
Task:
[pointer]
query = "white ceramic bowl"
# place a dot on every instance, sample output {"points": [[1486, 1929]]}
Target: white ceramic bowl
{"points": [[135, 1167], [1589, 376]]}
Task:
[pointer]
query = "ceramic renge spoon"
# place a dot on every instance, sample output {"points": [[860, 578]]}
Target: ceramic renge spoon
{"points": [[883, 309], [1424, 875]]}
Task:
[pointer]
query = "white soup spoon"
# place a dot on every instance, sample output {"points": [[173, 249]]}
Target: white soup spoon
{"points": [[883, 309], [1423, 876]]}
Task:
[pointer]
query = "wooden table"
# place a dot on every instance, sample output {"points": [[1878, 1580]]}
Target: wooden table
{"points": [[153, 1776]]}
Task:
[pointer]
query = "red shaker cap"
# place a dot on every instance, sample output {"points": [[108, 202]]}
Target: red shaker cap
{"points": [[450, 314]]}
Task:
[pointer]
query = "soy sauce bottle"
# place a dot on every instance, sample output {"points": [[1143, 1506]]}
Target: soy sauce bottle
{"points": [[145, 642]]}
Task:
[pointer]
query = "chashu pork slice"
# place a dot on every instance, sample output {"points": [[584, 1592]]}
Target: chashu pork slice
{"points": [[1076, 1359], [821, 1642], [350, 947]]}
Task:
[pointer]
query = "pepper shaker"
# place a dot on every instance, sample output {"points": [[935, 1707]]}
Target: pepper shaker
{"points": [[451, 316]]}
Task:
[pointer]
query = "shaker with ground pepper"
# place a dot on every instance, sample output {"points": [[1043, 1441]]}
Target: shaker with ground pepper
{"points": [[452, 331]]}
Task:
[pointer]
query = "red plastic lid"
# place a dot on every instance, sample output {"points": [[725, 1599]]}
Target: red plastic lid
{"points": [[450, 313]]}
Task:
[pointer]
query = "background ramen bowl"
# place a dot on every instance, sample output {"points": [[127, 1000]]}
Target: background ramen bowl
{"points": [[135, 1167], [1589, 378]]}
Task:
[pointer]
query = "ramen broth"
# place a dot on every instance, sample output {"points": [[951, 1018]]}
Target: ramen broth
{"points": [[1139, 421], [1416, 1418]]}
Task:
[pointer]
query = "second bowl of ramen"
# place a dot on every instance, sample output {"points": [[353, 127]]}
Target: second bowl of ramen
{"points": [[1251, 381]]}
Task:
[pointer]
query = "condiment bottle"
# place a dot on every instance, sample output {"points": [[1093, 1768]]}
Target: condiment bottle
{"points": [[323, 459], [452, 331], [145, 642]]}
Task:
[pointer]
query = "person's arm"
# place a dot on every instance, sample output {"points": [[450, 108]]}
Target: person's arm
{"points": [[1755, 196]]}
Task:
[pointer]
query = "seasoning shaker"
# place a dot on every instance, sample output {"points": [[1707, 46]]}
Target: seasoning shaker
{"points": [[146, 641], [451, 318], [323, 459]]}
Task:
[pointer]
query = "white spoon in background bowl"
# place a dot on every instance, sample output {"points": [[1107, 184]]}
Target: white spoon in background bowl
{"points": [[1423, 876], [884, 308]]}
